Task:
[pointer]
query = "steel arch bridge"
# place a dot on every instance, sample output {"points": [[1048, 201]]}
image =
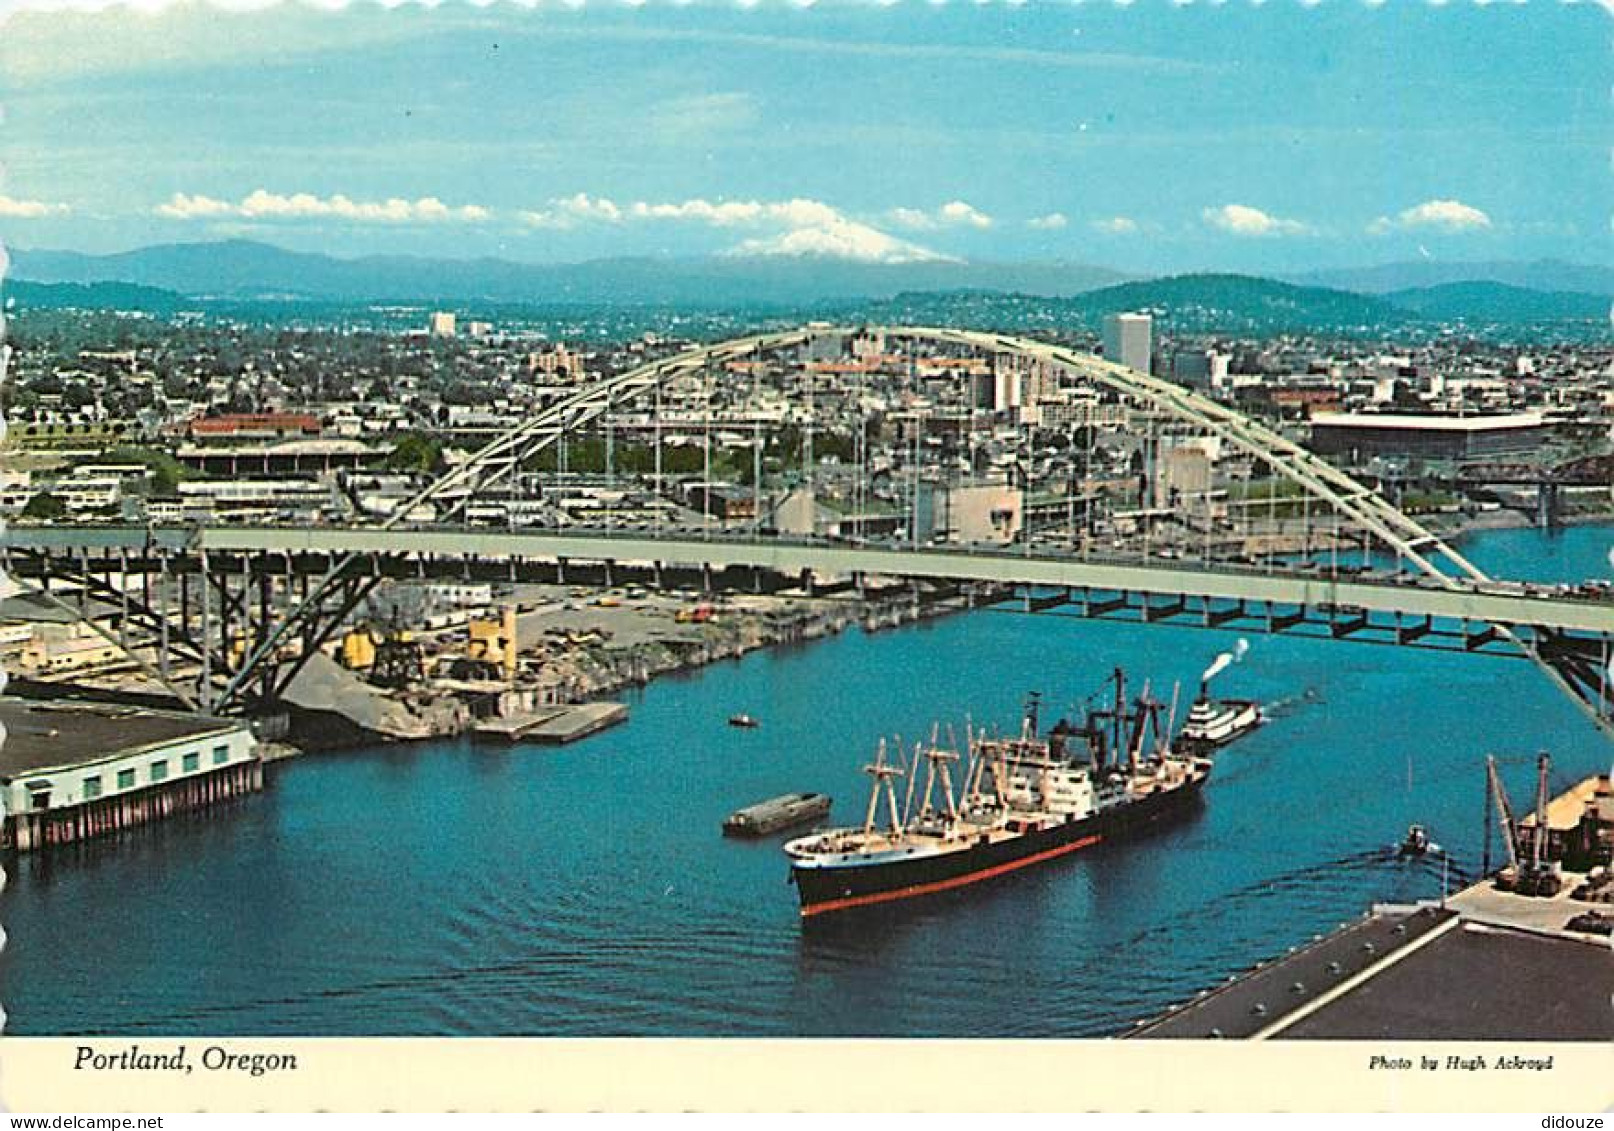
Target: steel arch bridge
{"points": [[1578, 666]]}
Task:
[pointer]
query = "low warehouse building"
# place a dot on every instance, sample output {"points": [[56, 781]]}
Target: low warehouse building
{"points": [[1359, 436], [71, 771]]}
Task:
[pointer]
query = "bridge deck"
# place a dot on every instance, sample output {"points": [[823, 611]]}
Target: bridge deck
{"points": [[1493, 603]]}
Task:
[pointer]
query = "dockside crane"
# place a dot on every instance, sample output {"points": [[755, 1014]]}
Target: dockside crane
{"points": [[1498, 796], [1536, 875]]}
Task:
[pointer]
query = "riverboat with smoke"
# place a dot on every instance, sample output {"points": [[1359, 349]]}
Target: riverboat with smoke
{"points": [[1024, 801], [1213, 723]]}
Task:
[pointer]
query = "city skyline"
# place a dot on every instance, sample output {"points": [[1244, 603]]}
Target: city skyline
{"points": [[1147, 138]]}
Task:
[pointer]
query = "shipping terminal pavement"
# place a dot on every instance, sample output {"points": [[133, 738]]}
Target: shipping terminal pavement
{"points": [[1484, 965]]}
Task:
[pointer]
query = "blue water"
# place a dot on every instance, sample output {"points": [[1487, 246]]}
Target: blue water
{"points": [[452, 889]]}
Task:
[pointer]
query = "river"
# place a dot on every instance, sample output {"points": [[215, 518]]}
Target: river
{"points": [[585, 891]]}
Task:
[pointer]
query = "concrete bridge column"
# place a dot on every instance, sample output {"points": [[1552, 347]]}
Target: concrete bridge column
{"points": [[1547, 506]]}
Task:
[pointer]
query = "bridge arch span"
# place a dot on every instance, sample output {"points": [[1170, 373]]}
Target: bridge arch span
{"points": [[1585, 681]]}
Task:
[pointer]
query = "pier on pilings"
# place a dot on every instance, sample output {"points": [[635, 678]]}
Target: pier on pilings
{"points": [[30, 831]]}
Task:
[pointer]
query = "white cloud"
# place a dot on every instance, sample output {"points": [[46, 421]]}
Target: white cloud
{"points": [[184, 206], [1116, 225], [1442, 215], [584, 207], [1052, 222], [795, 227], [570, 211], [912, 218], [1242, 220], [953, 214], [720, 214], [261, 204], [958, 212], [15, 209]]}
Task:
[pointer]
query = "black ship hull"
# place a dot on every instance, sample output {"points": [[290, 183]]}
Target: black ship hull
{"points": [[842, 888]]}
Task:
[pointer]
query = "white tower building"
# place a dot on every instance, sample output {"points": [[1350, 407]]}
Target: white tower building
{"points": [[1127, 340]]}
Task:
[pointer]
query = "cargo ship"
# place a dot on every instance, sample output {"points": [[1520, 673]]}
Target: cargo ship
{"points": [[1023, 801]]}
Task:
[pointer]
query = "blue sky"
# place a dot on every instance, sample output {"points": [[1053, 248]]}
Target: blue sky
{"points": [[1148, 137]]}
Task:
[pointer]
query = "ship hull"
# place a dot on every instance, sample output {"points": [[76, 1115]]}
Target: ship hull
{"points": [[845, 887]]}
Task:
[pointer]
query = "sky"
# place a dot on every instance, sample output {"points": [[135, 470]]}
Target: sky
{"points": [[1148, 137]]}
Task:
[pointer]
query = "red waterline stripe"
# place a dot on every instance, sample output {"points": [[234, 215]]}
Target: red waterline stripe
{"points": [[944, 885]]}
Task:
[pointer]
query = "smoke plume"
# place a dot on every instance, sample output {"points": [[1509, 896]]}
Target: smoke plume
{"points": [[1226, 660]]}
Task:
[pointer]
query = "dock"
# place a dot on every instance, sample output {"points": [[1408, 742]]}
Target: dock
{"points": [[73, 770], [1488, 963], [553, 726]]}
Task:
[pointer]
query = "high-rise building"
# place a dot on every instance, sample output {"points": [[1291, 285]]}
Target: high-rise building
{"points": [[1006, 392], [1126, 340], [442, 324], [1191, 368]]}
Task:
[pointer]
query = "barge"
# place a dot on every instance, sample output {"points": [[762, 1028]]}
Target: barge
{"points": [[784, 812]]}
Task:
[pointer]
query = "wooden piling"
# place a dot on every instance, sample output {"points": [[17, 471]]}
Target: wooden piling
{"points": [[103, 816]]}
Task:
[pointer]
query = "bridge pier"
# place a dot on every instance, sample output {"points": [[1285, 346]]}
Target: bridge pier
{"points": [[1548, 509], [1408, 634]]}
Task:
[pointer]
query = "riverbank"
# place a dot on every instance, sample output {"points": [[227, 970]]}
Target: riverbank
{"points": [[1504, 519], [581, 647]]}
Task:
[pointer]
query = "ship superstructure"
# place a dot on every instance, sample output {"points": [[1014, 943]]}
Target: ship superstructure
{"points": [[1213, 723]]}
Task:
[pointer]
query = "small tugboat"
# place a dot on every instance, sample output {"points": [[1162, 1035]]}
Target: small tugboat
{"points": [[776, 813], [1416, 842], [1213, 723], [1023, 801], [746, 722]]}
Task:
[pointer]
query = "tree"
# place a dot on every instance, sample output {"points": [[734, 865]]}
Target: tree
{"points": [[45, 506], [166, 471], [417, 452]]}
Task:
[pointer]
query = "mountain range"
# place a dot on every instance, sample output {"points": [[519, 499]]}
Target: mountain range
{"points": [[243, 269], [1536, 275], [169, 277]]}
